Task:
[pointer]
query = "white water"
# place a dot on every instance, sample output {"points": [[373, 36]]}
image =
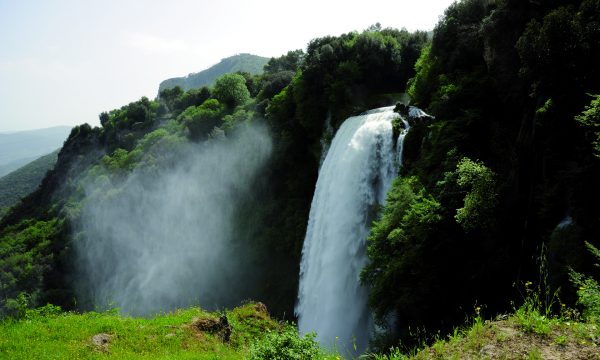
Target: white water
{"points": [[566, 222], [354, 178]]}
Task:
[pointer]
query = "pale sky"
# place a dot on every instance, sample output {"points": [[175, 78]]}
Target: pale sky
{"points": [[63, 62]]}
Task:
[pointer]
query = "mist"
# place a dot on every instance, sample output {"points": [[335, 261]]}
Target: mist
{"points": [[168, 237]]}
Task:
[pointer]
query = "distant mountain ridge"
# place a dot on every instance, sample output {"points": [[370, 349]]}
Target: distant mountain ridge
{"points": [[20, 148], [252, 64], [24, 180]]}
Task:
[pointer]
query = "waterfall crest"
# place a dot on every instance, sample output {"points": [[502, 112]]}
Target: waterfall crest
{"points": [[353, 181]]}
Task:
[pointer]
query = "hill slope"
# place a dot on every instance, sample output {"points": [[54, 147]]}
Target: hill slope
{"points": [[19, 148], [520, 336], [183, 334], [24, 180], [242, 62]]}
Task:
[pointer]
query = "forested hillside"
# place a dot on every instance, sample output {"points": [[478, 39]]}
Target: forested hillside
{"points": [[24, 180], [248, 63], [498, 187]]}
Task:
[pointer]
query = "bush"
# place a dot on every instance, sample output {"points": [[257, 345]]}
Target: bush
{"points": [[588, 291], [231, 90], [286, 344], [481, 199]]}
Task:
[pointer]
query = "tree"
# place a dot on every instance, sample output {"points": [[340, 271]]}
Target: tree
{"points": [[169, 96], [289, 62], [200, 120], [590, 119], [231, 90], [480, 201]]}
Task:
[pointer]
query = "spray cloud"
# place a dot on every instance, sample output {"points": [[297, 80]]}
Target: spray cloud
{"points": [[167, 238]]}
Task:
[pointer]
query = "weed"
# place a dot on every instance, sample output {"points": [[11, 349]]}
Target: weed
{"points": [[561, 340], [534, 354]]}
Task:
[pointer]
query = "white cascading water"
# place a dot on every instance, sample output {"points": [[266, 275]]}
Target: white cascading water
{"points": [[358, 170]]}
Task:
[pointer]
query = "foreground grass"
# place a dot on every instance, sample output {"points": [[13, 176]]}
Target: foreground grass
{"points": [[525, 335], [168, 336], [196, 334]]}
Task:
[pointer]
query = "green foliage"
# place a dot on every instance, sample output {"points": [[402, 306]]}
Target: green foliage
{"points": [[24, 180], [169, 96], [200, 120], [588, 291], [25, 258], [273, 84], [46, 311], [285, 345], [590, 120], [231, 90], [532, 319], [393, 243], [562, 43], [46, 333], [238, 117], [505, 81], [288, 62], [119, 160], [248, 63], [479, 202], [176, 100], [122, 126], [339, 74], [417, 86]]}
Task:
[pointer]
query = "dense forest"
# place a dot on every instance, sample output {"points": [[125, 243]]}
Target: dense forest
{"points": [[498, 187]]}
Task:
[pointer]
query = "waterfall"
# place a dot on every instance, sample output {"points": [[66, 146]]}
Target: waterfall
{"points": [[353, 181]]}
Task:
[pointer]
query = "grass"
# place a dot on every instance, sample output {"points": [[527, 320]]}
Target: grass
{"points": [[529, 333], [166, 336], [47, 333]]}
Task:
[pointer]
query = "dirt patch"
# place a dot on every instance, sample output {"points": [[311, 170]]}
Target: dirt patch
{"points": [[510, 342], [261, 308], [101, 342], [219, 326]]}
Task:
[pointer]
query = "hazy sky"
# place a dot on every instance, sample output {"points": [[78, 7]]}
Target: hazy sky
{"points": [[62, 62]]}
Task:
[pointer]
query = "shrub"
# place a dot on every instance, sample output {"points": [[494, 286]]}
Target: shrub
{"points": [[285, 344], [588, 291]]}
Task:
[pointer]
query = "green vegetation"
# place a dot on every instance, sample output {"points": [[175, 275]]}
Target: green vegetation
{"points": [[248, 63], [590, 119], [25, 180], [248, 332], [507, 167], [532, 332], [506, 339], [588, 292], [147, 135], [286, 344], [230, 89], [25, 258], [479, 203]]}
